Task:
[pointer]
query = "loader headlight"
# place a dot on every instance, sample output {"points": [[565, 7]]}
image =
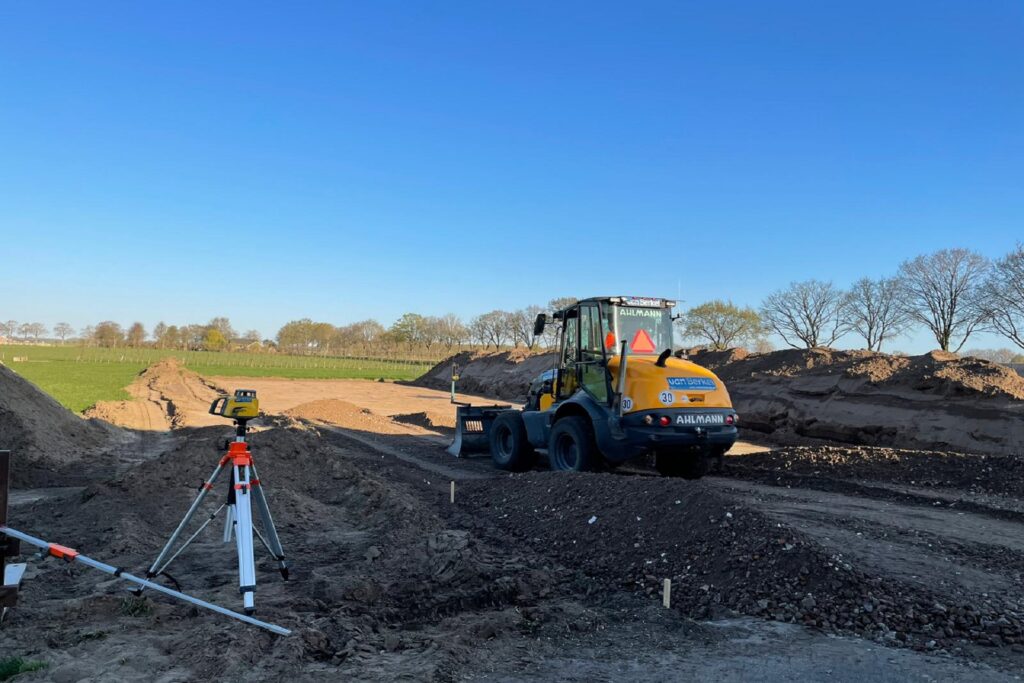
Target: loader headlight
{"points": [[648, 419]]}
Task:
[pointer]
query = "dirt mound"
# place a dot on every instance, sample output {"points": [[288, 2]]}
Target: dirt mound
{"points": [[40, 432], [506, 375], [381, 587], [938, 372], [722, 554], [166, 395], [344, 414], [935, 401], [987, 474]]}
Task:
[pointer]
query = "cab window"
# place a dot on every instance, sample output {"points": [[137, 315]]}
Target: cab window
{"points": [[593, 370]]}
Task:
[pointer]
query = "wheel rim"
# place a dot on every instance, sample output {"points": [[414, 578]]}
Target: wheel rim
{"points": [[566, 451]]}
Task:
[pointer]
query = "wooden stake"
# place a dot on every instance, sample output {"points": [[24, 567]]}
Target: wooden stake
{"points": [[453, 491], [666, 593]]}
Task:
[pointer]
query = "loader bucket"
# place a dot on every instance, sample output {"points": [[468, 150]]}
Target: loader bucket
{"points": [[472, 428]]}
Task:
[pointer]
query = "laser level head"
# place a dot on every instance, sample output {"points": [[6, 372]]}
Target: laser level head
{"points": [[242, 406]]}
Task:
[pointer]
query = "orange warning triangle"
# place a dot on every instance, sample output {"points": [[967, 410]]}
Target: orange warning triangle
{"points": [[641, 342]]}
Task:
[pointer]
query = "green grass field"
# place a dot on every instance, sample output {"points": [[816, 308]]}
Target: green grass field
{"points": [[78, 377]]}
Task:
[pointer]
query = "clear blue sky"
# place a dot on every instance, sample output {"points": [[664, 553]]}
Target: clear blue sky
{"points": [[270, 161]]}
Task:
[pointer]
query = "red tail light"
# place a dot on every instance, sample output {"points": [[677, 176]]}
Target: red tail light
{"points": [[663, 421]]}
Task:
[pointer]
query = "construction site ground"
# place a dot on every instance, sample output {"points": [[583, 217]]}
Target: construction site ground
{"points": [[821, 562]]}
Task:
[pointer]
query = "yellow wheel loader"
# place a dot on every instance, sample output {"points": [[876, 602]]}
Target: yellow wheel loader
{"points": [[617, 393]]}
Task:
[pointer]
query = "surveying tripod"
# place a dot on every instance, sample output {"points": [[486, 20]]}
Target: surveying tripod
{"points": [[243, 485]]}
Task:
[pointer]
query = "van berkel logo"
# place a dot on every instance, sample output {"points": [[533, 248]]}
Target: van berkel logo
{"points": [[691, 383]]}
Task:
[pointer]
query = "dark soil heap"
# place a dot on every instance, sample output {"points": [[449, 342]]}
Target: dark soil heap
{"points": [[722, 555], [41, 433]]}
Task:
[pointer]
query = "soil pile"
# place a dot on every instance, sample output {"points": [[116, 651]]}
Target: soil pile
{"points": [[506, 375], [721, 554], [348, 415], [381, 588], [42, 434], [986, 474], [935, 401], [166, 395]]}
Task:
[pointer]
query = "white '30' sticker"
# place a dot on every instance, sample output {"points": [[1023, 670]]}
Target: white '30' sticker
{"points": [[667, 397], [627, 403]]}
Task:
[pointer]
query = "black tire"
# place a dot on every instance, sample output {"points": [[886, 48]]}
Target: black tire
{"points": [[510, 449], [572, 448], [691, 464]]}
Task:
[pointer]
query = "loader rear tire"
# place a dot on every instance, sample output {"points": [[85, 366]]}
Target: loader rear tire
{"points": [[572, 448], [510, 448], [686, 465]]}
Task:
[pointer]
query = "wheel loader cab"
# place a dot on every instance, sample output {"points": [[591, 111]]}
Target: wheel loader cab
{"points": [[586, 418]]}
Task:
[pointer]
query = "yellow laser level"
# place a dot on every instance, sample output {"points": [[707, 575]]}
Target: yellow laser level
{"points": [[242, 406]]}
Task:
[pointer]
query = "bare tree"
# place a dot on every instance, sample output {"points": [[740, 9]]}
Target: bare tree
{"points": [[491, 328], [25, 329], [9, 328], [521, 323], [62, 331], [943, 292], [810, 312], [451, 330], [875, 311], [1003, 296]]}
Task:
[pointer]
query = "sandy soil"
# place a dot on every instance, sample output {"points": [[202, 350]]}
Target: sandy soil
{"points": [[165, 395], [278, 396]]}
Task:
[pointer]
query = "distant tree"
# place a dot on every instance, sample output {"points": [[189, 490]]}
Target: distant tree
{"points": [[214, 340], [874, 310], [62, 331], [37, 330], [223, 325], [409, 329], [451, 331], [10, 328], [722, 324], [495, 328], [1003, 296], [809, 312], [942, 291], [561, 302], [192, 336], [521, 324], [25, 330], [763, 346], [108, 334], [1003, 356], [160, 335], [251, 337], [88, 335], [136, 335], [171, 338], [296, 336]]}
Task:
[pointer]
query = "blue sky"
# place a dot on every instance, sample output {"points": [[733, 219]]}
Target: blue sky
{"points": [[270, 161]]}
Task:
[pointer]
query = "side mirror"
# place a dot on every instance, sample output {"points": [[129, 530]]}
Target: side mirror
{"points": [[539, 324]]}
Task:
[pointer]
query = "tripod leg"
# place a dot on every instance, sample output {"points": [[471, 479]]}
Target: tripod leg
{"points": [[243, 538], [273, 542], [159, 562]]}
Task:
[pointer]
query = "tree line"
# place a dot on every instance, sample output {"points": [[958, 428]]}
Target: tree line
{"points": [[952, 293]]}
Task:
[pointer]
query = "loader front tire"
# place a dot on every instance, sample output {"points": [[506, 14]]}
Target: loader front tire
{"points": [[510, 449], [572, 448]]}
